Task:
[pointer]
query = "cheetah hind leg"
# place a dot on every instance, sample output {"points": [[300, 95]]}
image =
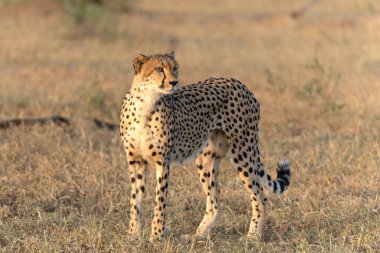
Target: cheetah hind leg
{"points": [[208, 168], [210, 186]]}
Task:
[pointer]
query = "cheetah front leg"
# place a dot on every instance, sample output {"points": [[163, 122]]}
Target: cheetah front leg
{"points": [[158, 223], [137, 177]]}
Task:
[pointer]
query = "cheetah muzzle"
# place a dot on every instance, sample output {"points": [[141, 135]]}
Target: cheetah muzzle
{"points": [[162, 123]]}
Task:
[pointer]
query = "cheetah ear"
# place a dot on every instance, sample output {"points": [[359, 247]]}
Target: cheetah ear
{"points": [[138, 61], [171, 54]]}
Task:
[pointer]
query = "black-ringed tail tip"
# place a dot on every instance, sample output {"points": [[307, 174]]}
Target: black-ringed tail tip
{"points": [[279, 185], [283, 175]]}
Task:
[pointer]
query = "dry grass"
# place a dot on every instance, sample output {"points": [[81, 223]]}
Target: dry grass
{"points": [[318, 81]]}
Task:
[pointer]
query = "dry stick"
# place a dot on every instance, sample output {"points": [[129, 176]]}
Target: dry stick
{"points": [[300, 12], [56, 119], [103, 124]]}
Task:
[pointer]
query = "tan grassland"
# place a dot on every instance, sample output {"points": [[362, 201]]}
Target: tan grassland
{"points": [[317, 78]]}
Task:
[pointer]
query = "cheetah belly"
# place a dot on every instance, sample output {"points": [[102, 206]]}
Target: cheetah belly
{"points": [[180, 156]]}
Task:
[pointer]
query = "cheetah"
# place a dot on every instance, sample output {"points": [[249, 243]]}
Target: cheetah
{"points": [[162, 123]]}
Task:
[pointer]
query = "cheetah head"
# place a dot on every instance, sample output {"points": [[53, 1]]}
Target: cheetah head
{"points": [[156, 72]]}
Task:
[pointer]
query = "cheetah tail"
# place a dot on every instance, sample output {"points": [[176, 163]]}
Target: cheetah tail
{"points": [[279, 185]]}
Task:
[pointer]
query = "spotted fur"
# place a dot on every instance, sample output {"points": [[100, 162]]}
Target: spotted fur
{"points": [[162, 124]]}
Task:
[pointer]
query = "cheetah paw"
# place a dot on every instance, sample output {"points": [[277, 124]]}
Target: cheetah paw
{"points": [[187, 238], [252, 237]]}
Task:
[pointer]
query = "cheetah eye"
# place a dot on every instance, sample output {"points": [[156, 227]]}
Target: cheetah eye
{"points": [[175, 68], [160, 69]]}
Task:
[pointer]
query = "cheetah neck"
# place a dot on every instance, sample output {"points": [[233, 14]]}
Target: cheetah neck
{"points": [[145, 100]]}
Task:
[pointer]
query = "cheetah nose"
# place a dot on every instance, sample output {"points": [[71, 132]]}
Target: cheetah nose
{"points": [[173, 83]]}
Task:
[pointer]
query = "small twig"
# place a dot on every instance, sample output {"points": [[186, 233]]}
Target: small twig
{"points": [[103, 124], [56, 119], [300, 12]]}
